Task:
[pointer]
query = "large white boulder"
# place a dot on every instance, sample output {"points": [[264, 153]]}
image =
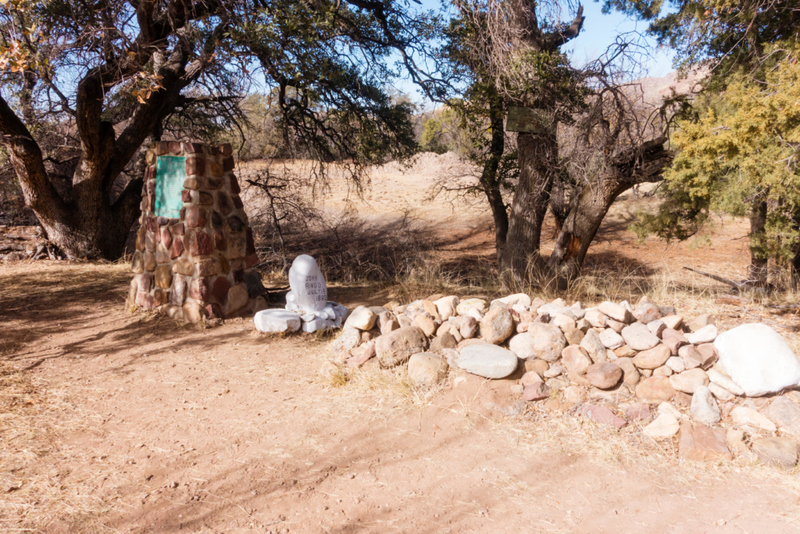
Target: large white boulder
{"points": [[758, 359], [487, 360]]}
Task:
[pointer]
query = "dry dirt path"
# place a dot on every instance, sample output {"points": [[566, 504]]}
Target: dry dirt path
{"points": [[143, 426]]}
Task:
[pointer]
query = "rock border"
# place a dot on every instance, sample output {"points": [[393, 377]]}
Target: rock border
{"points": [[613, 364]]}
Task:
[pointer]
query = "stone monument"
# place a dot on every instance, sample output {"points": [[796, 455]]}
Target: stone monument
{"points": [[307, 304], [194, 247]]}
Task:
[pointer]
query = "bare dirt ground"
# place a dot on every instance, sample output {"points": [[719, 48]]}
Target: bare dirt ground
{"points": [[112, 422]]}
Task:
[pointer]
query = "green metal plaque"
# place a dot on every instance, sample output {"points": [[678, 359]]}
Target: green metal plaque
{"points": [[527, 120], [170, 175]]}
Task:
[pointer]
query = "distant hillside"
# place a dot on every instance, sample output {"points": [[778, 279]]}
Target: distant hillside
{"points": [[652, 91]]}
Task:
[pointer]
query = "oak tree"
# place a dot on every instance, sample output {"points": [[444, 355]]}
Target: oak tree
{"points": [[108, 75], [510, 53], [738, 151]]}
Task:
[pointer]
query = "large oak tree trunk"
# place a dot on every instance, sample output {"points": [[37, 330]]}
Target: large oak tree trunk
{"points": [[93, 228], [537, 150], [538, 166], [489, 179], [88, 222], [591, 204], [580, 228], [90, 225]]}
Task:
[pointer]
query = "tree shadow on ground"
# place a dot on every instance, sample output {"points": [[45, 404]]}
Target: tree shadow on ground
{"points": [[39, 309], [370, 468], [461, 257], [353, 248], [48, 300], [252, 492]]}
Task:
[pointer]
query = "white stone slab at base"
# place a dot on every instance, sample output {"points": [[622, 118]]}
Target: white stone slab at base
{"points": [[332, 316], [277, 321]]}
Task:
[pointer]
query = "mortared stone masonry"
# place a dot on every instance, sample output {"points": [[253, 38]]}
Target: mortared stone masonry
{"points": [[196, 265]]}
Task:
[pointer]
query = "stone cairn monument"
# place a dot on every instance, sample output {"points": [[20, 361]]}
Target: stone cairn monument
{"points": [[307, 304], [194, 247]]}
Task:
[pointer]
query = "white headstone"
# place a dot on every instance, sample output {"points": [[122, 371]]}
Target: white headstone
{"points": [[307, 306], [308, 294]]}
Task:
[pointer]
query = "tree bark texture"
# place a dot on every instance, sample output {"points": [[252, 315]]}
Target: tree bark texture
{"points": [[758, 258], [89, 225], [795, 275], [489, 179], [591, 204], [537, 152], [580, 228], [538, 166], [559, 206]]}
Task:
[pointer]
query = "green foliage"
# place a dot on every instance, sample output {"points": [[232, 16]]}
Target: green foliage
{"points": [[734, 34], [432, 139], [544, 79], [475, 121], [743, 150], [445, 131], [523, 71], [326, 65], [739, 155], [323, 67], [646, 9]]}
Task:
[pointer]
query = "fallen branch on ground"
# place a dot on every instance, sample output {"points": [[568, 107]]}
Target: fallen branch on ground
{"points": [[737, 285]]}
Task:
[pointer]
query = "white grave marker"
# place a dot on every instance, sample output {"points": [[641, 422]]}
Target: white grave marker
{"points": [[307, 305], [309, 292]]}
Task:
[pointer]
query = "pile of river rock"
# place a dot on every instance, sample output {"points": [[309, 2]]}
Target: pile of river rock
{"points": [[613, 363]]}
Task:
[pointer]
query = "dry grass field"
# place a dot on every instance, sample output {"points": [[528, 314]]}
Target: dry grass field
{"points": [[113, 422]]}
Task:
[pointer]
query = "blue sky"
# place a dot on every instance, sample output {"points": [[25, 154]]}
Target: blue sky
{"points": [[599, 31]]}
